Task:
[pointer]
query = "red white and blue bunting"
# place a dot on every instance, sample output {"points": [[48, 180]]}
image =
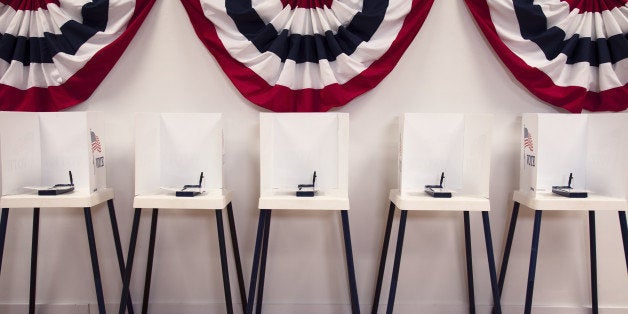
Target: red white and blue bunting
{"points": [[54, 53], [570, 53], [306, 55]]}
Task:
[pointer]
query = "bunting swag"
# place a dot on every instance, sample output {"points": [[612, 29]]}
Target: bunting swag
{"points": [[306, 55], [570, 53], [54, 53]]}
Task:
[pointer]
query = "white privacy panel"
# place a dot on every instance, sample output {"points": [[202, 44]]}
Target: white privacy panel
{"points": [[39, 149], [606, 159], [456, 144], [20, 151], [294, 145], [592, 147], [172, 149]]}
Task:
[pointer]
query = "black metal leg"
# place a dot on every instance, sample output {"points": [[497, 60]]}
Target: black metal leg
{"points": [[236, 254], [395, 274], [592, 252], [491, 262], [382, 259], [34, 242], [149, 262], [533, 255], [116, 241], [126, 297], [467, 245], [94, 255], [511, 232], [353, 287], [223, 261], [256, 258], [624, 234], [3, 232], [262, 267]]}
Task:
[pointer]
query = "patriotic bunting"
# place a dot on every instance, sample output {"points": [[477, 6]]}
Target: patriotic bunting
{"points": [[570, 53], [306, 55], [54, 53]]}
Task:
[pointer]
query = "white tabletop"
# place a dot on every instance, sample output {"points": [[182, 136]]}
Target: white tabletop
{"points": [[76, 198], [288, 200], [217, 199], [422, 201], [550, 201]]}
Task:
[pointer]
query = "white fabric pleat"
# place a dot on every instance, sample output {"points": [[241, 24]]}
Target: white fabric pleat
{"points": [[603, 77], [308, 74], [64, 65]]}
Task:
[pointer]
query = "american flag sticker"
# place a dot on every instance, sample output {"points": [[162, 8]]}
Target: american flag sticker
{"points": [[527, 140], [95, 142]]}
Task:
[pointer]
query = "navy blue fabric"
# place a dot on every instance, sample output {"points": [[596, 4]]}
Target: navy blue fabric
{"points": [[73, 35], [307, 48], [533, 26]]}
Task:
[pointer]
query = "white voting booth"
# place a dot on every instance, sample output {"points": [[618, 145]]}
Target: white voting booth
{"points": [[38, 150], [171, 151], [454, 148], [592, 147], [292, 147], [457, 145]]}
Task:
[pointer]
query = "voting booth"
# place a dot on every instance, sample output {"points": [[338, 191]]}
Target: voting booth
{"points": [[444, 165], [38, 150], [179, 165], [456, 145], [52, 160], [173, 149], [303, 166], [570, 163], [591, 147], [295, 145]]}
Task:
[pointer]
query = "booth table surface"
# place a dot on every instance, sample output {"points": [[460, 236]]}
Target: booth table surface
{"points": [[288, 200], [550, 201], [208, 200], [422, 201], [75, 198]]}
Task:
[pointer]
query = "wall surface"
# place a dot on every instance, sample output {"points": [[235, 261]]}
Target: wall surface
{"points": [[448, 68]]}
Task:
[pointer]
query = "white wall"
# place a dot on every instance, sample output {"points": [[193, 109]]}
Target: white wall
{"points": [[448, 68]]}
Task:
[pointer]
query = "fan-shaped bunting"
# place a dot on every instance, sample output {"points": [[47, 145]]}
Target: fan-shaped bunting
{"points": [[306, 55], [570, 53], [54, 53]]}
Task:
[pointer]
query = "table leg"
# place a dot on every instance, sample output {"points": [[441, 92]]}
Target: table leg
{"points": [[126, 297], [592, 252], [353, 289], [223, 261], [397, 262], [624, 234], [256, 259], [118, 245], [533, 254], [382, 259], [511, 232], [262, 269], [149, 262], [236, 254], [468, 251], [94, 256], [3, 232], [491, 263], [34, 244]]}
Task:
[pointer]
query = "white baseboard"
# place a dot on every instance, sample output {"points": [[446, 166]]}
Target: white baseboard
{"points": [[21, 308], [198, 308]]}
